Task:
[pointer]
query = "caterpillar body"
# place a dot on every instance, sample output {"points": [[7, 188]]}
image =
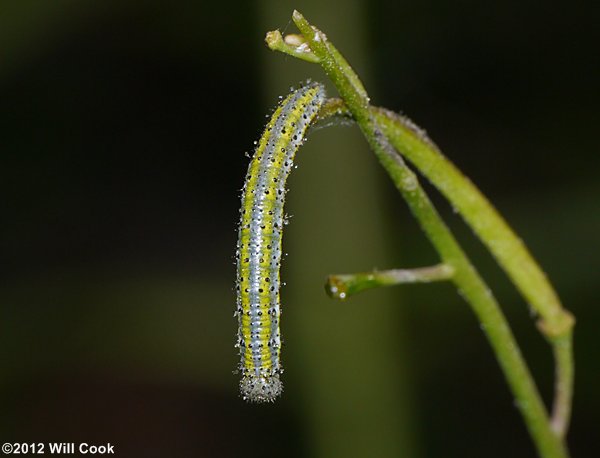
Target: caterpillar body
{"points": [[258, 254]]}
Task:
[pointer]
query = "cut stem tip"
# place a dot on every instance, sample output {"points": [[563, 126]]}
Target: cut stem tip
{"points": [[342, 286]]}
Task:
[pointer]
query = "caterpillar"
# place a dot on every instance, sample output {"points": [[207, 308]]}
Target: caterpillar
{"points": [[258, 253]]}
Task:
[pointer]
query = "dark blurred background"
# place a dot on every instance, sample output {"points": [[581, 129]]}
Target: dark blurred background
{"points": [[123, 127]]}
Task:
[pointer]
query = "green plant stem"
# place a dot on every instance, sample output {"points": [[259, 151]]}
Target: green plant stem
{"points": [[563, 393], [342, 286], [555, 322], [298, 48], [478, 212], [495, 234], [466, 277]]}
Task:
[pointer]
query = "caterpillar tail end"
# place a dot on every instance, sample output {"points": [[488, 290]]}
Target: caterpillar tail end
{"points": [[260, 388]]}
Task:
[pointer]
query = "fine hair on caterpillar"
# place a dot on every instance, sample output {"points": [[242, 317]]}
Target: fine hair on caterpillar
{"points": [[258, 255]]}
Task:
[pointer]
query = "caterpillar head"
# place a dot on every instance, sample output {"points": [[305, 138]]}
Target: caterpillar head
{"points": [[260, 388]]}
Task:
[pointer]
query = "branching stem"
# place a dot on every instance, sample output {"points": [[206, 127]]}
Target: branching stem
{"points": [[494, 233], [387, 134]]}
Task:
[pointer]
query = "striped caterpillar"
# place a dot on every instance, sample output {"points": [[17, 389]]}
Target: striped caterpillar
{"points": [[258, 252]]}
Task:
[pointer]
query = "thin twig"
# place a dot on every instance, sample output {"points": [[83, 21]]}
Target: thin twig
{"points": [[342, 286], [563, 394], [294, 45]]}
